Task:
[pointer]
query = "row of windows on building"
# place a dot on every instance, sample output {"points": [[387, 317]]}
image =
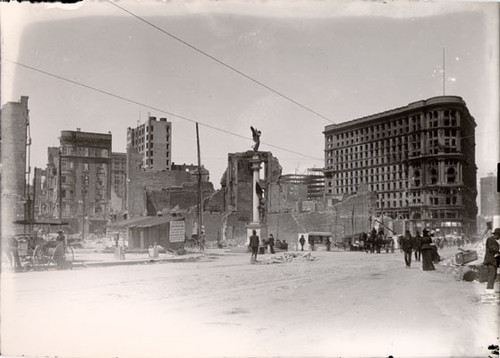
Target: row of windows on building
{"points": [[413, 139], [83, 166], [90, 210], [151, 162], [449, 118], [85, 151]]}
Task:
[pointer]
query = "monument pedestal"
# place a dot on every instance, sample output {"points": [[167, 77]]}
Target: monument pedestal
{"points": [[256, 224], [261, 232]]}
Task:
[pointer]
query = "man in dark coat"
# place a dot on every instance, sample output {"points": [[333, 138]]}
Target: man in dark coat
{"points": [[373, 240], [417, 246], [492, 248], [254, 246], [302, 241], [407, 248]]}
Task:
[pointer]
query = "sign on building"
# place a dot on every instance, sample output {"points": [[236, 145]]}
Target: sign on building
{"points": [[177, 231]]}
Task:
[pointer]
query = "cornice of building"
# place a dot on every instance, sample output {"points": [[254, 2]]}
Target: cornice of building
{"points": [[410, 108]]}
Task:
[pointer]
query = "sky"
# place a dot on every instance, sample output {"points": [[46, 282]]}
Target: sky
{"points": [[340, 60]]}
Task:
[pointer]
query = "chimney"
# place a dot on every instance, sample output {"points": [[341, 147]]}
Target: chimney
{"points": [[24, 101]]}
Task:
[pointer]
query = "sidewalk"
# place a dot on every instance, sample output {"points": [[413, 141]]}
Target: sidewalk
{"points": [[85, 258]]}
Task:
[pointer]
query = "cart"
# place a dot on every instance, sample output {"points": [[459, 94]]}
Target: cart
{"points": [[53, 253], [39, 254]]}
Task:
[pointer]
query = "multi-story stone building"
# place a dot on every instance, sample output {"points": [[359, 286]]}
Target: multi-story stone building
{"points": [[85, 179], [118, 178], [14, 141], [153, 140], [47, 199], [418, 159]]}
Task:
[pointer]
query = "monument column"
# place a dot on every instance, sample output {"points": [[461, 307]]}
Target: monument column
{"points": [[255, 161], [255, 165]]}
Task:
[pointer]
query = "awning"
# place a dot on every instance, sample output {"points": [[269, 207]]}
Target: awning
{"points": [[49, 222], [146, 221]]}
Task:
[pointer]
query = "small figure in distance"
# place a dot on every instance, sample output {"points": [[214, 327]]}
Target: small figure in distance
{"points": [[302, 241], [254, 246]]}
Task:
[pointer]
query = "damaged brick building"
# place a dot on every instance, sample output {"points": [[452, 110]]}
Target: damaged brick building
{"points": [[418, 159], [152, 191]]}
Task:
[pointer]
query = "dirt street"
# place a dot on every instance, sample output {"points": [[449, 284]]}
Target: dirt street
{"points": [[340, 304]]}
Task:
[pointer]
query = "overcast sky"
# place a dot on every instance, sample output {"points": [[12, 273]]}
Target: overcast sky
{"points": [[342, 60]]}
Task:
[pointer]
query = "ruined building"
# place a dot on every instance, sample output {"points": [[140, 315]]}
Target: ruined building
{"points": [[418, 159], [85, 179], [151, 191]]}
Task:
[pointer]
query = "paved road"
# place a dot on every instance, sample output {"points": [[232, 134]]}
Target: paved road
{"points": [[341, 304]]}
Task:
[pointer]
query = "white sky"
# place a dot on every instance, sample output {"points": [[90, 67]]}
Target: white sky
{"points": [[343, 60]]}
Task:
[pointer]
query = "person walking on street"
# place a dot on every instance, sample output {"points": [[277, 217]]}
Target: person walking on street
{"points": [[14, 253], [328, 244], [302, 241], [254, 246], [427, 252], [311, 243], [373, 240], [417, 246], [492, 248], [407, 248], [270, 242]]}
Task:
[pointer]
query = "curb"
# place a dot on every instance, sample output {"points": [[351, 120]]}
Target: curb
{"points": [[83, 264]]}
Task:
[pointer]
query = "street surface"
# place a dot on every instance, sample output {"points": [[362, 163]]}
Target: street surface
{"points": [[341, 304]]}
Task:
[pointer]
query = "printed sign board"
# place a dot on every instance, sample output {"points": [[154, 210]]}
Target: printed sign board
{"points": [[177, 231]]}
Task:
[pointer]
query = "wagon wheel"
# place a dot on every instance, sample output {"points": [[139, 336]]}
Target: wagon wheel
{"points": [[40, 258], [63, 256]]}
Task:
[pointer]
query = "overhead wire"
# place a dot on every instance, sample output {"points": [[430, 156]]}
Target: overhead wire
{"points": [[151, 107], [204, 53]]}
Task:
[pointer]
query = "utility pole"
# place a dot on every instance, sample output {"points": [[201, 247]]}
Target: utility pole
{"points": [[84, 195], [200, 197], [59, 184], [33, 202]]}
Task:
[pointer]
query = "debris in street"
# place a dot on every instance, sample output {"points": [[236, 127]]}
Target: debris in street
{"points": [[465, 256], [291, 256]]}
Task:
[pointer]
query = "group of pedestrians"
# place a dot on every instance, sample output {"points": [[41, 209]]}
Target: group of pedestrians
{"points": [[421, 247], [269, 243]]}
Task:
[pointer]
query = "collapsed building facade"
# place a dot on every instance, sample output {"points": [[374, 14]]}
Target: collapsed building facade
{"points": [[418, 159], [292, 204]]}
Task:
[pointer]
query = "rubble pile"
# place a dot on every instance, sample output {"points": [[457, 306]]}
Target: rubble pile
{"points": [[291, 256], [471, 271]]}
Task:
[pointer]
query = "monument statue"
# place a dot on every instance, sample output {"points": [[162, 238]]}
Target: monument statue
{"points": [[256, 138]]}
